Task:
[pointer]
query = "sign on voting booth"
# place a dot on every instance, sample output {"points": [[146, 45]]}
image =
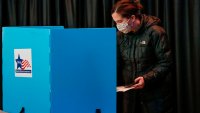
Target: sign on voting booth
{"points": [[55, 70]]}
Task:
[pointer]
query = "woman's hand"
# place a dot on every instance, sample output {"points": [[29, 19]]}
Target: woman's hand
{"points": [[139, 83]]}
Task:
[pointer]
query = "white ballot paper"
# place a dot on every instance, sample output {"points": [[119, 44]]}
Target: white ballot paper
{"points": [[123, 88]]}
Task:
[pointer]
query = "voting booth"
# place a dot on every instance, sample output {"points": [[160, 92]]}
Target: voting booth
{"points": [[56, 70]]}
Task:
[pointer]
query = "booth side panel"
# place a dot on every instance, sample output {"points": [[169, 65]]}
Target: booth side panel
{"points": [[83, 70], [26, 85]]}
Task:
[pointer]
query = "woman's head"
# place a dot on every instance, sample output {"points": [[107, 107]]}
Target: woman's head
{"points": [[124, 13], [126, 9]]}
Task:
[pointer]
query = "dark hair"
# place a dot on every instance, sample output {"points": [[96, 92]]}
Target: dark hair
{"points": [[126, 8]]}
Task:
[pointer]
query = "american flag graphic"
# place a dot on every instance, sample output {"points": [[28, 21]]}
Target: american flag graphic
{"points": [[25, 64]]}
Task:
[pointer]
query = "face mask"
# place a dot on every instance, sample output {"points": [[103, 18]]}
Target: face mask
{"points": [[124, 27]]}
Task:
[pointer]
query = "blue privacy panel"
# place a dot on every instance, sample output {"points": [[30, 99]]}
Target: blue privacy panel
{"points": [[32, 93], [83, 70], [55, 70]]}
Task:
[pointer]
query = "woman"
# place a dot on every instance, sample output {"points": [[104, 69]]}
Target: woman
{"points": [[145, 60]]}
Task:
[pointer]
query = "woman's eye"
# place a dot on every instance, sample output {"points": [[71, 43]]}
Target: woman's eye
{"points": [[119, 21]]}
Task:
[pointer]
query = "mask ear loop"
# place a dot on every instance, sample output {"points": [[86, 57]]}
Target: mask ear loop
{"points": [[126, 21], [132, 18]]}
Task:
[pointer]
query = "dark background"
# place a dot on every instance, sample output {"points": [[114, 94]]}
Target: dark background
{"points": [[180, 18]]}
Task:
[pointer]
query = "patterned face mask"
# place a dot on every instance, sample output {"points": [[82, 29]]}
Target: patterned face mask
{"points": [[124, 27]]}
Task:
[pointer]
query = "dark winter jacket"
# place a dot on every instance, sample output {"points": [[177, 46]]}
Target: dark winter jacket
{"points": [[146, 53]]}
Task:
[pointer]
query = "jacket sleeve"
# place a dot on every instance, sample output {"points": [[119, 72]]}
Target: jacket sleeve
{"points": [[163, 54]]}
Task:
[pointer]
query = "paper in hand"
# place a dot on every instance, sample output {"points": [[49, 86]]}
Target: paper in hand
{"points": [[124, 88]]}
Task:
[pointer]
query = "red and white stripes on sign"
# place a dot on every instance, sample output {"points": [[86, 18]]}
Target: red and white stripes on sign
{"points": [[25, 64]]}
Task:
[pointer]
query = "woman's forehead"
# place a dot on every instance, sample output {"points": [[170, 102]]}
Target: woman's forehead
{"points": [[117, 17]]}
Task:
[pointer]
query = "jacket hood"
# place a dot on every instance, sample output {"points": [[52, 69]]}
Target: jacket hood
{"points": [[148, 21]]}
